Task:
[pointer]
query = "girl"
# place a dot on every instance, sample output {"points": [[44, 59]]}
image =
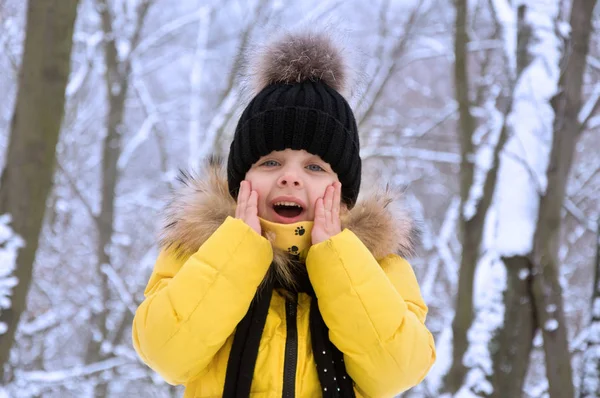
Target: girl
{"points": [[295, 288]]}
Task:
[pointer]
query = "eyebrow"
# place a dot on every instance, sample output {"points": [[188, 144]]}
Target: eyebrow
{"points": [[316, 157]]}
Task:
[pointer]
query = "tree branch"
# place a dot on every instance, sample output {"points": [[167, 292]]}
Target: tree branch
{"points": [[63, 375], [387, 71], [119, 285], [588, 110], [77, 191]]}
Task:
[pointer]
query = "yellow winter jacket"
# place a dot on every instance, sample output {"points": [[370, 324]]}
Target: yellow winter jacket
{"points": [[208, 273]]}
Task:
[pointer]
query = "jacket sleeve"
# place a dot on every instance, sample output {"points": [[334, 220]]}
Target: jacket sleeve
{"points": [[193, 305], [375, 314]]}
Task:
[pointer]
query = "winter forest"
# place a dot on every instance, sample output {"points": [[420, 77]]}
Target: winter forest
{"points": [[485, 112]]}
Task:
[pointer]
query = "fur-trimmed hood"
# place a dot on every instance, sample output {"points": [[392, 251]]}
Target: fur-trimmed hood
{"points": [[202, 203]]}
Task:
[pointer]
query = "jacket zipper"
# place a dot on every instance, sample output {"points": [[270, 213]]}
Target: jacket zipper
{"points": [[291, 351]]}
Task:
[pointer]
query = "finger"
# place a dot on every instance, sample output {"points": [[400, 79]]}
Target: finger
{"points": [[337, 198], [328, 200], [252, 207], [319, 211], [237, 201], [242, 199]]}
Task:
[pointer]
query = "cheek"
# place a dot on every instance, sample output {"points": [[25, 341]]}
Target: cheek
{"points": [[261, 187], [317, 190]]}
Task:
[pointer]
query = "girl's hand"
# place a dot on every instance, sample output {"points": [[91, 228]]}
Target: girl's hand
{"points": [[327, 214], [247, 206]]}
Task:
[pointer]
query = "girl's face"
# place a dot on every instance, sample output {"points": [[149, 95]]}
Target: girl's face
{"points": [[288, 184]]}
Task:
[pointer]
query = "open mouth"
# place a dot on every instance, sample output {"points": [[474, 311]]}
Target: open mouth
{"points": [[287, 209]]}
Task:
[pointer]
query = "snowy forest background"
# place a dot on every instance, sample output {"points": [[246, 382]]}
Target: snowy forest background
{"points": [[487, 111]]}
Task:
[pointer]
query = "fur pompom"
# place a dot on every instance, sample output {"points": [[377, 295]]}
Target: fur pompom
{"points": [[299, 57]]}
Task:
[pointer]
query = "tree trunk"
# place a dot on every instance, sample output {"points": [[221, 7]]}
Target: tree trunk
{"points": [[471, 225], [470, 242], [27, 177], [105, 221], [117, 86], [512, 344], [590, 379], [546, 287]]}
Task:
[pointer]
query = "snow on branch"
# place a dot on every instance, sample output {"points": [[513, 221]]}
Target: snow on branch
{"points": [[63, 375], [165, 30], [489, 304], [10, 243], [140, 137], [505, 17], [119, 285], [589, 108], [590, 384], [525, 158], [416, 153], [198, 152]]}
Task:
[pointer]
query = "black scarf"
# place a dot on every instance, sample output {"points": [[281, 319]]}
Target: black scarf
{"points": [[335, 381]]}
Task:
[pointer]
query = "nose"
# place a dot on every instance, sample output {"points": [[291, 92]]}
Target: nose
{"points": [[289, 179]]}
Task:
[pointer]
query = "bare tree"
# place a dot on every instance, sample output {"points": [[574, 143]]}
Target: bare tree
{"points": [[473, 209], [118, 71], [533, 298], [27, 177], [590, 380], [512, 345], [547, 291]]}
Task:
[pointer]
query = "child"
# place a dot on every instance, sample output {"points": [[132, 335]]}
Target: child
{"points": [[295, 289]]}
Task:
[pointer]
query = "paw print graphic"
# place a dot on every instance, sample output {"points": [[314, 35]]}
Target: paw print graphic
{"points": [[300, 231], [293, 250]]}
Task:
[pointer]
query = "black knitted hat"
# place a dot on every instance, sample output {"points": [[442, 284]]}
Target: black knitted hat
{"points": [[298, 105]]}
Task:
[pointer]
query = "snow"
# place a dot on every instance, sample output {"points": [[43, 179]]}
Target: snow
{"points": [[121, 239], [594, 332], [564, 28], [441, 244], [538, 339], [77, 371], [507, 18], [484, 156], [591, 373], [490, 283], [219, 119], [415, 153], [123, 49], [551, 325], [10, 243], [137, 140], [196, 75], [443, 347], [522, 173], [77, 80], [40, 323], [524, 273], [115, 89], [120, 286], [154, 37], [588, 107]]}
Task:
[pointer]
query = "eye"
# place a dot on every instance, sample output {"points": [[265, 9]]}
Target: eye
{"points": [[270, 163], [315, 167]]}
